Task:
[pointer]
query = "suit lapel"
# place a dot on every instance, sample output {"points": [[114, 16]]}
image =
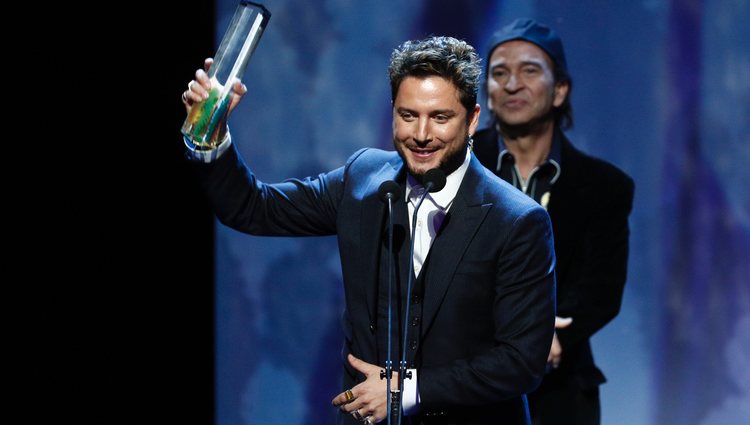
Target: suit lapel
{"points": [[373, 217], [461, 224]]}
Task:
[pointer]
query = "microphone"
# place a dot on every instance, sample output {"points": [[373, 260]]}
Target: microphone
{"points": [[433, 181], [389, 189], [389, 192]]}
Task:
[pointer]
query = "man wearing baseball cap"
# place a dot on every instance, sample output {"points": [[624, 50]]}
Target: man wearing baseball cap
{"points": [[589, 200]]}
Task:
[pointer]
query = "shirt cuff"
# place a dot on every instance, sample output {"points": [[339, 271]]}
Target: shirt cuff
{"points": [[209, 155], [411, 394]]}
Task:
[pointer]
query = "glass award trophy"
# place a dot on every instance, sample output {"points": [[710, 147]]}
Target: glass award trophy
{"points": [[239, 42]]}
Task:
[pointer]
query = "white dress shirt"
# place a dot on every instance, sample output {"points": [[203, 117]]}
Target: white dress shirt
{"points": [[433, 210]]}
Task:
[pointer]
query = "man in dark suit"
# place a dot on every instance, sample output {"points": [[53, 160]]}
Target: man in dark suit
{"points": [[481, 313], [588, 200]]}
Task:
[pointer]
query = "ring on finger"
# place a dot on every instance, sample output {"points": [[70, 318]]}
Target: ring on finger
{"points": [[357, 415], [368, 421], [349, 395]]}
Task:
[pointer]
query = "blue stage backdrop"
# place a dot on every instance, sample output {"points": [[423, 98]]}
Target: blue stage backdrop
{"points": [[661, 89]]}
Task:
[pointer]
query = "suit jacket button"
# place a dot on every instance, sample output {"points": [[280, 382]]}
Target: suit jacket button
{"points": [[372, 327]]}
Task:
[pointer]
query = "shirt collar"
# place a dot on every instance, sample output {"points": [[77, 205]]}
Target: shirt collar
{"points": [[554, 155], [445, 196]]}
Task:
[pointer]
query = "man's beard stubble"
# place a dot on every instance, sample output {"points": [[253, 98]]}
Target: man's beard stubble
{"points": [[448, 164]]}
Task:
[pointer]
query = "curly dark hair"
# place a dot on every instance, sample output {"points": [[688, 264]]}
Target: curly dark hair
{"points": [[446, 57]]}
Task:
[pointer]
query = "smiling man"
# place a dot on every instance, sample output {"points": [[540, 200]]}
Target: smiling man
{"points": [[589, 200], [482, 307], [432, 120]]}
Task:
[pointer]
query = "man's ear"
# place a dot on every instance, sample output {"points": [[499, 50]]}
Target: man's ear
{"points": [[474, 121], [561, 93]]}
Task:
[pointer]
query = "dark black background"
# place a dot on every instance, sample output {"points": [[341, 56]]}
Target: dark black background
{"points": [[159, 272]]}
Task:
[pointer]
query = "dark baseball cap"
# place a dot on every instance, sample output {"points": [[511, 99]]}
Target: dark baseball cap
{"points": [[529, 30]]}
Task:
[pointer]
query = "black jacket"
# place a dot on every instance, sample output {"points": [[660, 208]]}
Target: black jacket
{"points": [[589, 207]]}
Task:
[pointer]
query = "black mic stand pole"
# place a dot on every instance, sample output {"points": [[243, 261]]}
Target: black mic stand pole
{"points": [[389, 362], [402, 373], [434, 180], [388, 191]]}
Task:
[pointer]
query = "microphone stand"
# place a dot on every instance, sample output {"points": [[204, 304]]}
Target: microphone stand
{"points": [[402, 372], [388, 192], [389, 361], [434, 180]]}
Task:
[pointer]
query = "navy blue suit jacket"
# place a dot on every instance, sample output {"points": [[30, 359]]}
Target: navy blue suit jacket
{"points": [[488, 316]]}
